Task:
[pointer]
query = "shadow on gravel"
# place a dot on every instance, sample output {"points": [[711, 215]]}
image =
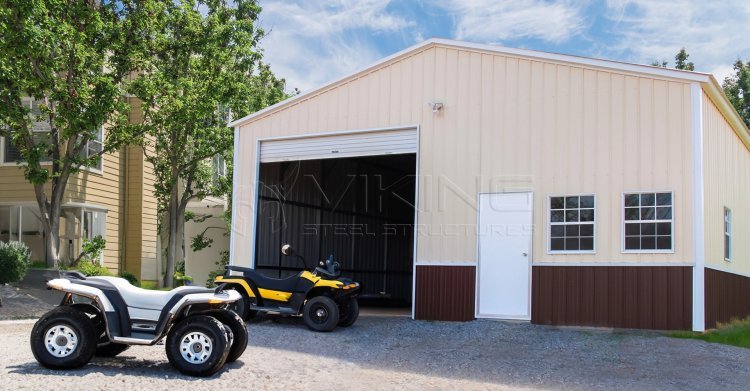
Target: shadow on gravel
{"points": [[512, 354], [122, 365]]}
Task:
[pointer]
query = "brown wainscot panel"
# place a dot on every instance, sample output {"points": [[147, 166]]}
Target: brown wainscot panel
{"points": [[643, 297], [445, 293], [727, 297]]}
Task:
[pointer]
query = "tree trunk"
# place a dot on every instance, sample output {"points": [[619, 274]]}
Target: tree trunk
{"points": [[172, 256], [52, 237]]}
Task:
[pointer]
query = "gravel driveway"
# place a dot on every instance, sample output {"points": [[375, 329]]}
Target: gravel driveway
{"points": [[390, 352]]}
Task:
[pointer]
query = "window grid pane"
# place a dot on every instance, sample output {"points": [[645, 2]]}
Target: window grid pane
{"points": [[648, 221], [571, 222]]}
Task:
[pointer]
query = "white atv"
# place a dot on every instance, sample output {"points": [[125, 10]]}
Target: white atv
{"points": [[103, 316]]}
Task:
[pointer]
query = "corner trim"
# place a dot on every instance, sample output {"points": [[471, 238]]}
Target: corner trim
{"points": [[699, 247], [235, 178]]}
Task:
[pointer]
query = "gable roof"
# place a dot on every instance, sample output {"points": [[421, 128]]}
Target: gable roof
{"points": [[707, 80]]}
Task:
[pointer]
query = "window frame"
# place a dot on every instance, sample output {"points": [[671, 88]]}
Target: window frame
{"points": [[727, 234], [96, 170], [549, 224], [623, 222]]}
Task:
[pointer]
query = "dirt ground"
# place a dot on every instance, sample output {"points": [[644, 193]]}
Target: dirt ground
{"points": [[18, 304], [387, 352]]}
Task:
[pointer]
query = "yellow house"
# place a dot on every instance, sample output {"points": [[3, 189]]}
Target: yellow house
{"points": [[114, 200], [475, 181]]}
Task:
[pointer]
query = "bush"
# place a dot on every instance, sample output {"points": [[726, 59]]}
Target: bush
{"points": [[180, 278], [14, 261], [91, 250], [130, 277], [223, 261], [91, 269]]}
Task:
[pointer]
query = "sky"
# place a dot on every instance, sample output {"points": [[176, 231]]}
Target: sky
{"points": [[313, 42]]}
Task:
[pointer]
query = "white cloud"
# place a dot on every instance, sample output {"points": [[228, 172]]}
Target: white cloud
{"points": [[715, 33], [310, 43], [494, 21]]}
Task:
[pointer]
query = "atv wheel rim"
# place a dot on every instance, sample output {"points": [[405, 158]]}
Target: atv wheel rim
{"points": [[196, 347], [61, 341], [319, 314]]}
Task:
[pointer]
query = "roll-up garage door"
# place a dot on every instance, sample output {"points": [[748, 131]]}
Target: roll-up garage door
{"points": [[387, 142]]}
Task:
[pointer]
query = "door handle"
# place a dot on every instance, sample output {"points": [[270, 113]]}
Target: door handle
{"points": [[525, 255]]}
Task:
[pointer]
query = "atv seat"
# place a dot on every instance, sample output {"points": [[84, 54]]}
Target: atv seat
{"points": [[277, 284], [143, 298]]}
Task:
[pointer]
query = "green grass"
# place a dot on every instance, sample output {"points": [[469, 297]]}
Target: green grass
{"points": [[735, 333], [38, 265]]}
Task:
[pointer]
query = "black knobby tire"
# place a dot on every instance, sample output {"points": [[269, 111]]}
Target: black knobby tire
{"points": [[348, 312], [242, 306], [238, 329], [111, 349], [63, 338], [205, 345], [321, 313]]}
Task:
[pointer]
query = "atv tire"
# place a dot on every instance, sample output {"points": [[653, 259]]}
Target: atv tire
{"points": [[242, 306], [198, 345], [238, 329], [321, 313], [63, 338], [348, 312], [111, 349]]}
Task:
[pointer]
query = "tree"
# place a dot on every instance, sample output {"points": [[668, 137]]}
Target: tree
{"points": [[62, 64], [736, 86], [205, 67], [680, 61], [737, 89]]}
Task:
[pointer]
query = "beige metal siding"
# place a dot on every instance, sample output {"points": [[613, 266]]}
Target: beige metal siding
{"points": [[727, 184], [508, 123]]}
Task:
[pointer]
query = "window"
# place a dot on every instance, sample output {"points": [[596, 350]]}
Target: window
{"points": [[727, 234], [571, 224], [219, 168], [93, 225], [40, 134], [93, 147], [648, 222]]}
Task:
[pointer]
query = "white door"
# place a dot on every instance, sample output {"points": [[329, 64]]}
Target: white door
{"points": [[381, 142], [504, 270]]}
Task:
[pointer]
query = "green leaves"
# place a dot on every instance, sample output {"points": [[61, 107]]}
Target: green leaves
{"points": [[205, 64], [737, 89]]}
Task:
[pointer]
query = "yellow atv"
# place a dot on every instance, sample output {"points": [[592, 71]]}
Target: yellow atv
{"points": [[324, 300]]}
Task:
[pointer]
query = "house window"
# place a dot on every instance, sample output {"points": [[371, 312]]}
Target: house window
{"points": [[40, 134], [94, 147], [571, 223], [93, 224], [649, 221], [23, 224], [219, 168], [727, 234]]}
